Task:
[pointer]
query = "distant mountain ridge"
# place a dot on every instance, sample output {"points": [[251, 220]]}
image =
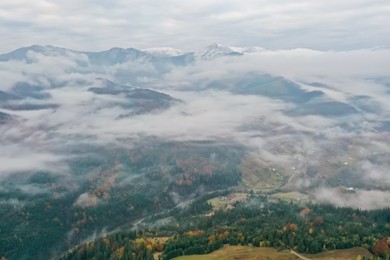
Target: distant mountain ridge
{"points": [[120, 55]]}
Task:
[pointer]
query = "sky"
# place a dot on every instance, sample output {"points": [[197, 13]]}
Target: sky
{"points": [[190, 25]]}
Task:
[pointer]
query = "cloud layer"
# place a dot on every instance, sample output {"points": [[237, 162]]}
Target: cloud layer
{"points": [[274, 103]]}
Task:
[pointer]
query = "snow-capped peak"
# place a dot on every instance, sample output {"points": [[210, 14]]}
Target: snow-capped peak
{"points": [[164, 52], [244, 50], [213, 51]]}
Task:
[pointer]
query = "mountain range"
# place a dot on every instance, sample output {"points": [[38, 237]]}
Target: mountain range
{"points": [[156, 62], [121, 55]]}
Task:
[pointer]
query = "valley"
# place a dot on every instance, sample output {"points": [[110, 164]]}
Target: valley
{"points": [[102, 152]]}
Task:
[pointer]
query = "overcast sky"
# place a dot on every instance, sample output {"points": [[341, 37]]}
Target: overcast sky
{"points": [[188, 25]]}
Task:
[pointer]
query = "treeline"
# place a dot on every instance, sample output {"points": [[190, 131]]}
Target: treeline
{"points": [[191, 245]]}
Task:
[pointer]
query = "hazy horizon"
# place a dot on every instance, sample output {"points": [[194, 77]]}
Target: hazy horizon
{"points": [[92, 25]]}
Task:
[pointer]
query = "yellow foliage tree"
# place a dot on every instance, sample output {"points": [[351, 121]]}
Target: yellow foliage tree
{"points": [[211, 239]]}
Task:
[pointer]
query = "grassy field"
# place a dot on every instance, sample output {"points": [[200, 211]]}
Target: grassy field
{"points": [[242, 252], [257, 175], [260, 253], [222, 202], [351, 253], [291, 196]]}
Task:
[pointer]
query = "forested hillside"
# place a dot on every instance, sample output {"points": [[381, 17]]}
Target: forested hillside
{"points": [[255, 222]]}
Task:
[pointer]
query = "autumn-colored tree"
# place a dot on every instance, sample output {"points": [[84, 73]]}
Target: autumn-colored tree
{"points": [[291, 227], [305, 212], [381, 247], [311, 230], [159, 247], [149, 244], [318, 220], [211, 238], [194, 233], [120, 252]]}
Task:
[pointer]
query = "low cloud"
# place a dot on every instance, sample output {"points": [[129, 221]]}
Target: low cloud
{"points": [[86, 200], [209, 106], [360, 199], [24, 159]]}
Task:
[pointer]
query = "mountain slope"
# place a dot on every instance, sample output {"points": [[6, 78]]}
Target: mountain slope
{"points": [[4, 118], [163, 52], [118, 56], [139, 101], [215, 50]]}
